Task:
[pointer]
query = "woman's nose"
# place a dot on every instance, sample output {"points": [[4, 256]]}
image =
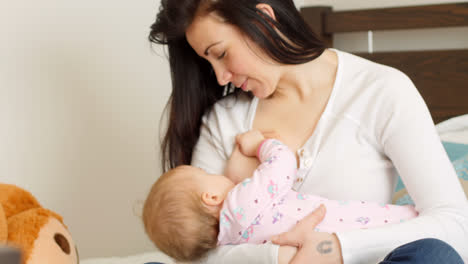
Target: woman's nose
{"points": [[223, 76]]}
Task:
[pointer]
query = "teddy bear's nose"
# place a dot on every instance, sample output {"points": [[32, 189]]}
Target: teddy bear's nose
{"points": [[62, 242]]}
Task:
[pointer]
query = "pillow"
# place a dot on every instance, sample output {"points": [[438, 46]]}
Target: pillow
{"points": [[454, 129], [455, 150], [458, 154]]}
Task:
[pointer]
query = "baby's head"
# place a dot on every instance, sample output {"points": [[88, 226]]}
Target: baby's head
{"points": [[181, 212]]}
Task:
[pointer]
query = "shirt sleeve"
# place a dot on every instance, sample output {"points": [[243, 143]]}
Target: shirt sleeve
{"points": [[409, 138], [278, 166], [209, 154]]}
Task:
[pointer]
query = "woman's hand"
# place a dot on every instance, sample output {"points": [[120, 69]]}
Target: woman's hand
{"points": [[312, 247]]}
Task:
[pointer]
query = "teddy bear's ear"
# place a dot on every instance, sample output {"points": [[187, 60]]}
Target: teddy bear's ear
{"points": [[42, 237], [3, 226], [16, 200]]}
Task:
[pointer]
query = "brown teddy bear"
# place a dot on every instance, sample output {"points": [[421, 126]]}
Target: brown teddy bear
{"points": [[39, 233]]}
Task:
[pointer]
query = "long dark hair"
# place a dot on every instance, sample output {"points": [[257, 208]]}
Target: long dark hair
{"points": [[194, 85]]}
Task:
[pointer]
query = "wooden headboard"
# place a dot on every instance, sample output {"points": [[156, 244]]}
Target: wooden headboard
{"points": [[441, 76]]}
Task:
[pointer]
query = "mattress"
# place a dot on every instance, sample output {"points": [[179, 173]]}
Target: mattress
{"points": [[148, 257]]}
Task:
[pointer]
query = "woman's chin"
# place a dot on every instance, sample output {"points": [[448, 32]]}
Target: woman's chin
{"points": [[261, 94]]}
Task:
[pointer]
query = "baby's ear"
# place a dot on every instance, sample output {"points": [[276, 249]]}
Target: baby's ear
{"points": [[211, 199]]}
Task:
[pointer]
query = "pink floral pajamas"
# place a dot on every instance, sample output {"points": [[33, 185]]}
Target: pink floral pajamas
{"points": [[265, 205]]}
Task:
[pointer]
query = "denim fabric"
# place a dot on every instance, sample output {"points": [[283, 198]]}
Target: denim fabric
{"points": [[427, 251]]}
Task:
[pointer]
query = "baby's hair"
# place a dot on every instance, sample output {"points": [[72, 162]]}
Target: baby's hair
{"points": [[176, 220]]}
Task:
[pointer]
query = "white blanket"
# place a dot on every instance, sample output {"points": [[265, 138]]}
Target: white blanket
{"points": [[155, 256]]}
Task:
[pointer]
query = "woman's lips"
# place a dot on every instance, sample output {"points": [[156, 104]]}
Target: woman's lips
{"points": [[244, 86]]}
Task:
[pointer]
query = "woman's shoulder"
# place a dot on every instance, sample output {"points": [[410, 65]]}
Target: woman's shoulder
{"points": [[363, 78], [360, 68], [370, 89]]}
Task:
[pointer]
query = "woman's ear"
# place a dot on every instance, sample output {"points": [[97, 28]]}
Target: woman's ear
{"points": [[211, 199], [266, 9]]}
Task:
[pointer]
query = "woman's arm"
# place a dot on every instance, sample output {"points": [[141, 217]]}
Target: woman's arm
{"points": [[313, 247], [407, 134], [286, 254]]}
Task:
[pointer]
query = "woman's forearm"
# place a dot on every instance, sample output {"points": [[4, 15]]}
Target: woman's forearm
{"points": [[314, 247]]}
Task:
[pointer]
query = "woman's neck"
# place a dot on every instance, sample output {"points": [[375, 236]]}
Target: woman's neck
{"points": [[303, 81]]}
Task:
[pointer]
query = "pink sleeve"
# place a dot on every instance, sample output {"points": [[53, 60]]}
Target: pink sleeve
{"points": [[272, 179]]}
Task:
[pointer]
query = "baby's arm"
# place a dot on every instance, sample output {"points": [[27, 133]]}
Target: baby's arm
{"points": [[239, 166], [278, 162], [269, 182], [242, 163], [249, 142]]}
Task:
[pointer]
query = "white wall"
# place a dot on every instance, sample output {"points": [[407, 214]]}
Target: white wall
{"points": [[81, 94]]}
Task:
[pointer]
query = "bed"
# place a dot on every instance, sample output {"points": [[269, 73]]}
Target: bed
{"points": [[440, 75], [148, 257]]}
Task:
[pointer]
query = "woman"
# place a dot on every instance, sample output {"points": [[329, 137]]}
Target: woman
{"points": [[352, 123]]}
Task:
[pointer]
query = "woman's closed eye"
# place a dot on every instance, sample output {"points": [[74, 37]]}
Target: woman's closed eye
{"points": [[222, 55]]}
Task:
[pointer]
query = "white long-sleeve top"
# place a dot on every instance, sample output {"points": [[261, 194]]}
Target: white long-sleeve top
{"points": [[375, 123]]}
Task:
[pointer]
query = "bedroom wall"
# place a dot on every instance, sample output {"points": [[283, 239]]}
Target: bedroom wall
{"points": [[81, 93]]}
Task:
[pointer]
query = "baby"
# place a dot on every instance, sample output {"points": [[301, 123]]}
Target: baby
{"points": [[188, 211]]}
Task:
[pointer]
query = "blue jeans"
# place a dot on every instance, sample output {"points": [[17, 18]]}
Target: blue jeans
{"points": [[427, 251]]}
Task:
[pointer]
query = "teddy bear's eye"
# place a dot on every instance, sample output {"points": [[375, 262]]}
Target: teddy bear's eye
{"points": [[62, 242]]}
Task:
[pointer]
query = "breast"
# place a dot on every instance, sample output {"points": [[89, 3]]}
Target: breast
{"points": [[345, 163]]}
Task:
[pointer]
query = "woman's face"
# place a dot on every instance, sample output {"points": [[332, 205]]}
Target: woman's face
{"points": [[233, 56]]}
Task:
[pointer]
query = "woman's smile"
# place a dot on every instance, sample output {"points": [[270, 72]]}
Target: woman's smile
{"points": [[244, 86]]}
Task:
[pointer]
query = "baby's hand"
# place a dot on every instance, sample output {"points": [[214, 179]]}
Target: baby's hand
{"points": [[249, 142]]}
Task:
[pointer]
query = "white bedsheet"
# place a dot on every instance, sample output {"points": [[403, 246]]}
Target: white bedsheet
{"points": [[155, 256]]}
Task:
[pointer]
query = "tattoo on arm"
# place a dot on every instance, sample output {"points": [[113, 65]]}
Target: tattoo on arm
{"points": [[324, 247]]}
